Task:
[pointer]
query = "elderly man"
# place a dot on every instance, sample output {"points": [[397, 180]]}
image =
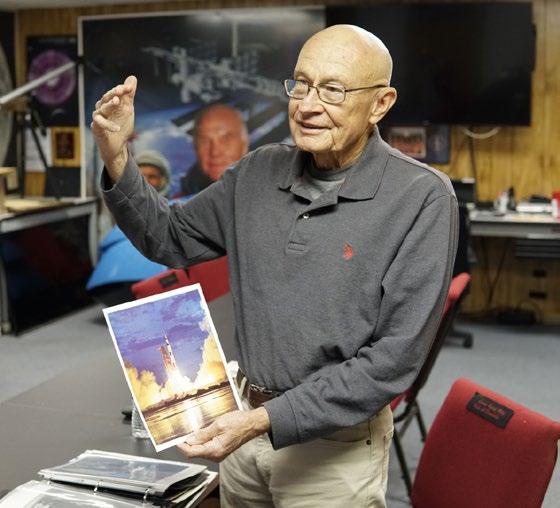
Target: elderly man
{"points": [[340, 253], [220, 139]]}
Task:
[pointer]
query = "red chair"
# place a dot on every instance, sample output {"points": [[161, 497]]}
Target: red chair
{"points": [[212, 275], [485, 451], [457, 291]]}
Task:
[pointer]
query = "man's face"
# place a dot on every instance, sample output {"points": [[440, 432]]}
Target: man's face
{"points": [[153, 175], [220, 141], [334, 133]]}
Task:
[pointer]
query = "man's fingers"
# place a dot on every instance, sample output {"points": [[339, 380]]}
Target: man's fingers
{"points": [[128, 88], [130, 85], [108, 95], [100, 115], [107, 108], [118, 95], [103, 101], [102, 122], [202, 436], [212, 450], [115, 91], [184, 448]]}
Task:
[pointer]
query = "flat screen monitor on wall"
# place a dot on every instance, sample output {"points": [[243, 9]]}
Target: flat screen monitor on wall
{"points": [[454, 63]]}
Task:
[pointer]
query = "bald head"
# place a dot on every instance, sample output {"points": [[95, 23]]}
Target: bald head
{"points": [[220, 139], [221, 113], [364, 51], [335, 127]]}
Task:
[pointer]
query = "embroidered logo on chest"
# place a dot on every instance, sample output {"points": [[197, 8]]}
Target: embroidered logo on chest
{"points": [[347, 252]]}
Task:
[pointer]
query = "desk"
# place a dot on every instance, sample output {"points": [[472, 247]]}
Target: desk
{"points": [[46, 256], [514, 225], [81, 409], [518, 263]]}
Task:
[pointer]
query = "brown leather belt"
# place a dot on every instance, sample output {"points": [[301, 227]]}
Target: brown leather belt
{"points": [[256, 395]]}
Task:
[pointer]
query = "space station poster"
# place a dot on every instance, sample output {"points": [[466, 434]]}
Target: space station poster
{"points": [[186, 62], [173, 363]]}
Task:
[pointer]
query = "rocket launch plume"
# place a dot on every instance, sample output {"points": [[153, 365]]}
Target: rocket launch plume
{"points": [[145, 387], [211, 370]]}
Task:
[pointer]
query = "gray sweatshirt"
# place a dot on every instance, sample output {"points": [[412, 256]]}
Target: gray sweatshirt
{"points": [[337, 299]]}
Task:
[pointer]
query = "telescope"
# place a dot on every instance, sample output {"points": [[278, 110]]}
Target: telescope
{"points": [[36, 83]]}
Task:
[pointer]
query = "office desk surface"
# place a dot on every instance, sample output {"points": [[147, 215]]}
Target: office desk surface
{"points": [[46, 257], [81, 409], [514, 225], [34, 212]]}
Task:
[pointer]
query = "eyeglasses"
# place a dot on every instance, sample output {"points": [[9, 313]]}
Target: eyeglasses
{"points": [[331, 94]]}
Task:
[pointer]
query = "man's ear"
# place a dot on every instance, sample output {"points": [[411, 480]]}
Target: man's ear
{"points": [[382, 103]]}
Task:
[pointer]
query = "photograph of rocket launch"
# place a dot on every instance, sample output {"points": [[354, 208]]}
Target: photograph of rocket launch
{"points": [[173, 363]]}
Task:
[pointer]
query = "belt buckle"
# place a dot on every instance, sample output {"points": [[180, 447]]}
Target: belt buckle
{"points": [[260, 389]]}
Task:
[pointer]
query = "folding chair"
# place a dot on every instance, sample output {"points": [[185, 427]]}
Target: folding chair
{"points": [[411, 410], [212, 276], [485, 451], [166, 281]]}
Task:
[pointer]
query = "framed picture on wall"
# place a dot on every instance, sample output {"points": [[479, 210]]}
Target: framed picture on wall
{"points": [[65, 142], [426, 143], [56, 101], [409, 140]]}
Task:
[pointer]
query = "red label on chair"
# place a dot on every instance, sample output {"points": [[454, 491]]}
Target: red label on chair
{"points": [[490, 410], [169, 280]]}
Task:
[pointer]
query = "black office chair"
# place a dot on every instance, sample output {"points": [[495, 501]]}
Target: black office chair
{"points": [[463, 261]]}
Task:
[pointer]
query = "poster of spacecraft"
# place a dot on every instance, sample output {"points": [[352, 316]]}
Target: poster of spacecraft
{"points": [[186, 62], [173, 363]]}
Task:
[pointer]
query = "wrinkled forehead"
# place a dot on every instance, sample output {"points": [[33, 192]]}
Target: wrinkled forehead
{"points": [[342, 60], [220, 119]]}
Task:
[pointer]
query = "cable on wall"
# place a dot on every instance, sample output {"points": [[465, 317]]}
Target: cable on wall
{"points": [[480, 135]]}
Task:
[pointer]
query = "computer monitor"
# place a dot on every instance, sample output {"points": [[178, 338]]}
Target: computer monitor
{"points": [[465, 190]]}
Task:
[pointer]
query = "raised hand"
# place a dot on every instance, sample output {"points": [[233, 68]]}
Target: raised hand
{"points": [[113, 125]]}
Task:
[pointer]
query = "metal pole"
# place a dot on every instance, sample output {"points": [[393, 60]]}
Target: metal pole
{"points": [[28, 87]]}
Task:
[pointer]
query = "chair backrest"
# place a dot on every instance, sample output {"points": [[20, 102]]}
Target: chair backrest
{"points": [[462, 261], [485, 451], [211, 275], [160, 283], [457, 290]]}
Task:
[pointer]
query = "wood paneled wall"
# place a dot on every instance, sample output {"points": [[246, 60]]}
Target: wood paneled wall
{"points": [[524, 157]]}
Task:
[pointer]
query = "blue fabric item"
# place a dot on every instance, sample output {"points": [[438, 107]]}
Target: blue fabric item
{"points": [[119, 261]]}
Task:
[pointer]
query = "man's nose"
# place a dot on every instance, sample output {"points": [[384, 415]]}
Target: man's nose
{"points": [[310, 103], [214, 148]]}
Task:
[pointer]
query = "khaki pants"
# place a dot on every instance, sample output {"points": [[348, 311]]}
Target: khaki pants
{"points": [[348, 469]]}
